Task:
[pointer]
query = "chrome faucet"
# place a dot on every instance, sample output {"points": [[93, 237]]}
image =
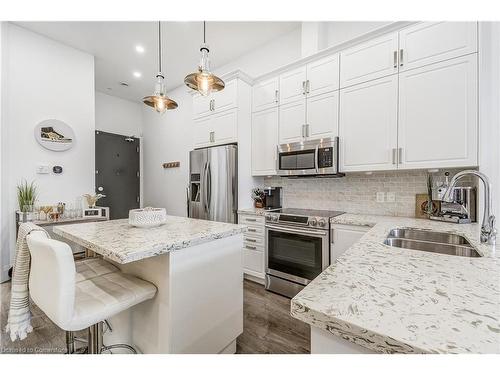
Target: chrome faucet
{"points": [[488, 231]]}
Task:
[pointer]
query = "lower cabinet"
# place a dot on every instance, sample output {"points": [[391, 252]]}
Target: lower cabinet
{"points": [[342, 237], [253, 247]]}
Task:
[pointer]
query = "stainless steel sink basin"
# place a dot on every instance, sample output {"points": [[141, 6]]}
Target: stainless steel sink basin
{"points": [[434, 242]]}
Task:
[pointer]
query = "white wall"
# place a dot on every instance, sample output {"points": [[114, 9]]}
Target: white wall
{"points": [[118, 116], [44, 80], [338, 32]]}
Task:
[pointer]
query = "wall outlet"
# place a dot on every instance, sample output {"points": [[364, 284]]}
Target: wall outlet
{"points": [[42, 169], [391, 196], [380, 197]]}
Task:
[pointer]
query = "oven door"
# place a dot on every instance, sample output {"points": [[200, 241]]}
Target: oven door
{"points": [[296, 254]]}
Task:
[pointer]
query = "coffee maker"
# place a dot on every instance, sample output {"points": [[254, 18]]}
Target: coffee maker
{"points": [[463, 208], [274, 198]]}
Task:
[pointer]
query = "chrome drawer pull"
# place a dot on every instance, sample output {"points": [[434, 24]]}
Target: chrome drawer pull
{"points": [[252, 230], [250, 240], [251, 247]]}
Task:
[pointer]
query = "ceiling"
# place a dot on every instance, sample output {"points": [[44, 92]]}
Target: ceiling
{"points": [[113, 45]]}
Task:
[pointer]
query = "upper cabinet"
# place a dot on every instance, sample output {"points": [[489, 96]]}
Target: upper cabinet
{"points": [[438, 106], [264, 142], [293, 85], [370, 60], [322, 115], [431, 42], [215, 102], [322, 75], [265, 94]]}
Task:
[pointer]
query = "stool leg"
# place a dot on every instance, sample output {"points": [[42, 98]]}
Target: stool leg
{"points": [[95, 339], [70, 342]]}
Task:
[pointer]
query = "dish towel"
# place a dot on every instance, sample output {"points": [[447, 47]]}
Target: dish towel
{"points": [[19, 322]]}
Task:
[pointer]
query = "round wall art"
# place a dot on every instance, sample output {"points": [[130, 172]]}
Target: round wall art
{"points": [[55, 135]]}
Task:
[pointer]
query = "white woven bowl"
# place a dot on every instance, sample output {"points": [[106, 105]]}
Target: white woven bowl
{"points": [[147, 217]]}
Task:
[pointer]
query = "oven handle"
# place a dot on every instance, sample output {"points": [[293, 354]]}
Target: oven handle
{"points": [[298, 231], [316, 161]]}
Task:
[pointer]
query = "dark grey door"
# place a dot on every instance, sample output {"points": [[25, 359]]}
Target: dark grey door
{"points": [[117, 167]]}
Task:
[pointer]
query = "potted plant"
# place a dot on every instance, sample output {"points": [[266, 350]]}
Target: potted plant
{"points": [[92, 199], [258, 197], [26, 197]]}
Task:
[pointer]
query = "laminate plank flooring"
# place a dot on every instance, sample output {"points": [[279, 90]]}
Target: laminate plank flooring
{"points": [[268, 327]]}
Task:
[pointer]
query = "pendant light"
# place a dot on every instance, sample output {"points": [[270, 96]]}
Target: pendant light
{"points": [[203, 80], [159, 100]]}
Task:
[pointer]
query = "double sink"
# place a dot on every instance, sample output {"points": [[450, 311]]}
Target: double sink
{"points": [[430, 241]]}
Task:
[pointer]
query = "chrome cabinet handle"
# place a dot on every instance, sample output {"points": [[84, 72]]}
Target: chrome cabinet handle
{"points": [[247, 219], [250, 247], [401, 57], [250, 240], [303, 87], [308, 86], [276, 99], [213, 104], [252, 230], [331, 235], [212, 136], [395, 59], [307, 130], [394, 156], [400, 155]]}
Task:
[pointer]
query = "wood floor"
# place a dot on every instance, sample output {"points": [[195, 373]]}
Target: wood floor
{"points": [[267, 327]]}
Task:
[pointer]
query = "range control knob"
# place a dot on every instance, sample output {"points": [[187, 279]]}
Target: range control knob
{"points": [[275, 217], [268, 216], [322, 222], [313, 222]]}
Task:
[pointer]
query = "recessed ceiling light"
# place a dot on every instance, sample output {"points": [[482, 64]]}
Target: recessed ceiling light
{"points": [[137, 74], [139, 49]]}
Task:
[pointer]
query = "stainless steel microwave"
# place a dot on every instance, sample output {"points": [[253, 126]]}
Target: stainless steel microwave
{"points": [[309, 158]]}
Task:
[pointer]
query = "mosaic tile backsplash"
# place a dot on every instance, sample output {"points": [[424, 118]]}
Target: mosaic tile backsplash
{"points": [[356, 192]]}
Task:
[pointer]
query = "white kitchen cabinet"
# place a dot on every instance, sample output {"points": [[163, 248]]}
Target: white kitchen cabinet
{"points": [[218, 129], [438, 106], [253, 247], [292, 85], [292, 121], [323, 75], [431, 42], [369, 125], [264, 142], [342, 237], [216, 102], [265, 94], [370, 60], [322, 115], [202, 105]]}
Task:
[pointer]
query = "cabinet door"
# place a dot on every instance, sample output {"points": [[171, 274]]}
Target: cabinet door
{"points": [[323, 75], [438, 115], [323, 115], [343, 237], [292, 120], [224, 125], [265, 94], [201, 105], [292, 85], [373, 59], [264, 142], [430, 42], [202, 129], [368, 125], [225, 99]]}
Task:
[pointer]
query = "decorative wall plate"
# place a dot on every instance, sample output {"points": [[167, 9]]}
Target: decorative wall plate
{"points": [[54, 135]]}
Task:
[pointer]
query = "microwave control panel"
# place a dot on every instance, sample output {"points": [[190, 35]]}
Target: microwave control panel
{"points": [[325, 157]]}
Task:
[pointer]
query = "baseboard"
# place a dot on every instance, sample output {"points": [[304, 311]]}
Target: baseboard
{"points": [[4, 274], [255, 279]]}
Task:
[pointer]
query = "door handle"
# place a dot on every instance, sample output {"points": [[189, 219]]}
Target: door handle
{"points": [[401, 57], [395, 59]]}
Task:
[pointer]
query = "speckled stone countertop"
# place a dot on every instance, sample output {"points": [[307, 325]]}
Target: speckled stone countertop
{"points": [[123, 243], [395, 300], [255, 211]]}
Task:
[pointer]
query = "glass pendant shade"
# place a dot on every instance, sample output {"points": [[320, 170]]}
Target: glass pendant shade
{"points": [[203, 80], [159, 100]]}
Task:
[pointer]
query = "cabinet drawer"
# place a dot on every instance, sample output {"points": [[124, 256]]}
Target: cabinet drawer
{"points": [[257, 241], [252, 219], [253, 260], [255, 230]]}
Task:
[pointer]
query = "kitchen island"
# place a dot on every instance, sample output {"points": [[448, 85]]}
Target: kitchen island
{"points": [[196, 266], [378, 298]]}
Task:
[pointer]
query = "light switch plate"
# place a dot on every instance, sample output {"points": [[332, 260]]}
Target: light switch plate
{"points": [[391, 196], [42, 169], [380, 197]]}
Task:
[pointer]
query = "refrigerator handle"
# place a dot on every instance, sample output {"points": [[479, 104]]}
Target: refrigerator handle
{"points": [[204, 185], [188, 199], [209, 186]]}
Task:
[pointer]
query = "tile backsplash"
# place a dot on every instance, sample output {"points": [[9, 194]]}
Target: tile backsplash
{"points": [[357, 192]]}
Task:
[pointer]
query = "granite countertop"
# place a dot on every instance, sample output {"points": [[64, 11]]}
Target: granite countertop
{"points": [[395, 300], [123, 243], [255, 211]]}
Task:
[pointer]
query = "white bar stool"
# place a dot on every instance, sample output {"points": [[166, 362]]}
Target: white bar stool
{"points": [[80, 295]]}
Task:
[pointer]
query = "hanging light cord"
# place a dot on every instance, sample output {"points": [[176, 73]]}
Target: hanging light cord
{"points": [[159, 46], [204, 45], [204, 32]]}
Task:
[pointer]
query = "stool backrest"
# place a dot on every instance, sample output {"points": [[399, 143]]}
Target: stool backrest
{"points": [[52, 277]]}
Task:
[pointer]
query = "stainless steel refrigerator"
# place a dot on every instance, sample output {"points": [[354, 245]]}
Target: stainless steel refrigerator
{"points": [[212, 193]]}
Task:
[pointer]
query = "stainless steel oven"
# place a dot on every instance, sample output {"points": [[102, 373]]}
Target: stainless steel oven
{"points": [[309, 158], [297, 248]]}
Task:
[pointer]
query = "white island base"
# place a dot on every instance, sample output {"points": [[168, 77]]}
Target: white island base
{"points": [[324, 342], [199, 304]]}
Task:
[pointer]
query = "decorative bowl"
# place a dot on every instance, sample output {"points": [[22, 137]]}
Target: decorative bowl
{"points": [[147, 217]]}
